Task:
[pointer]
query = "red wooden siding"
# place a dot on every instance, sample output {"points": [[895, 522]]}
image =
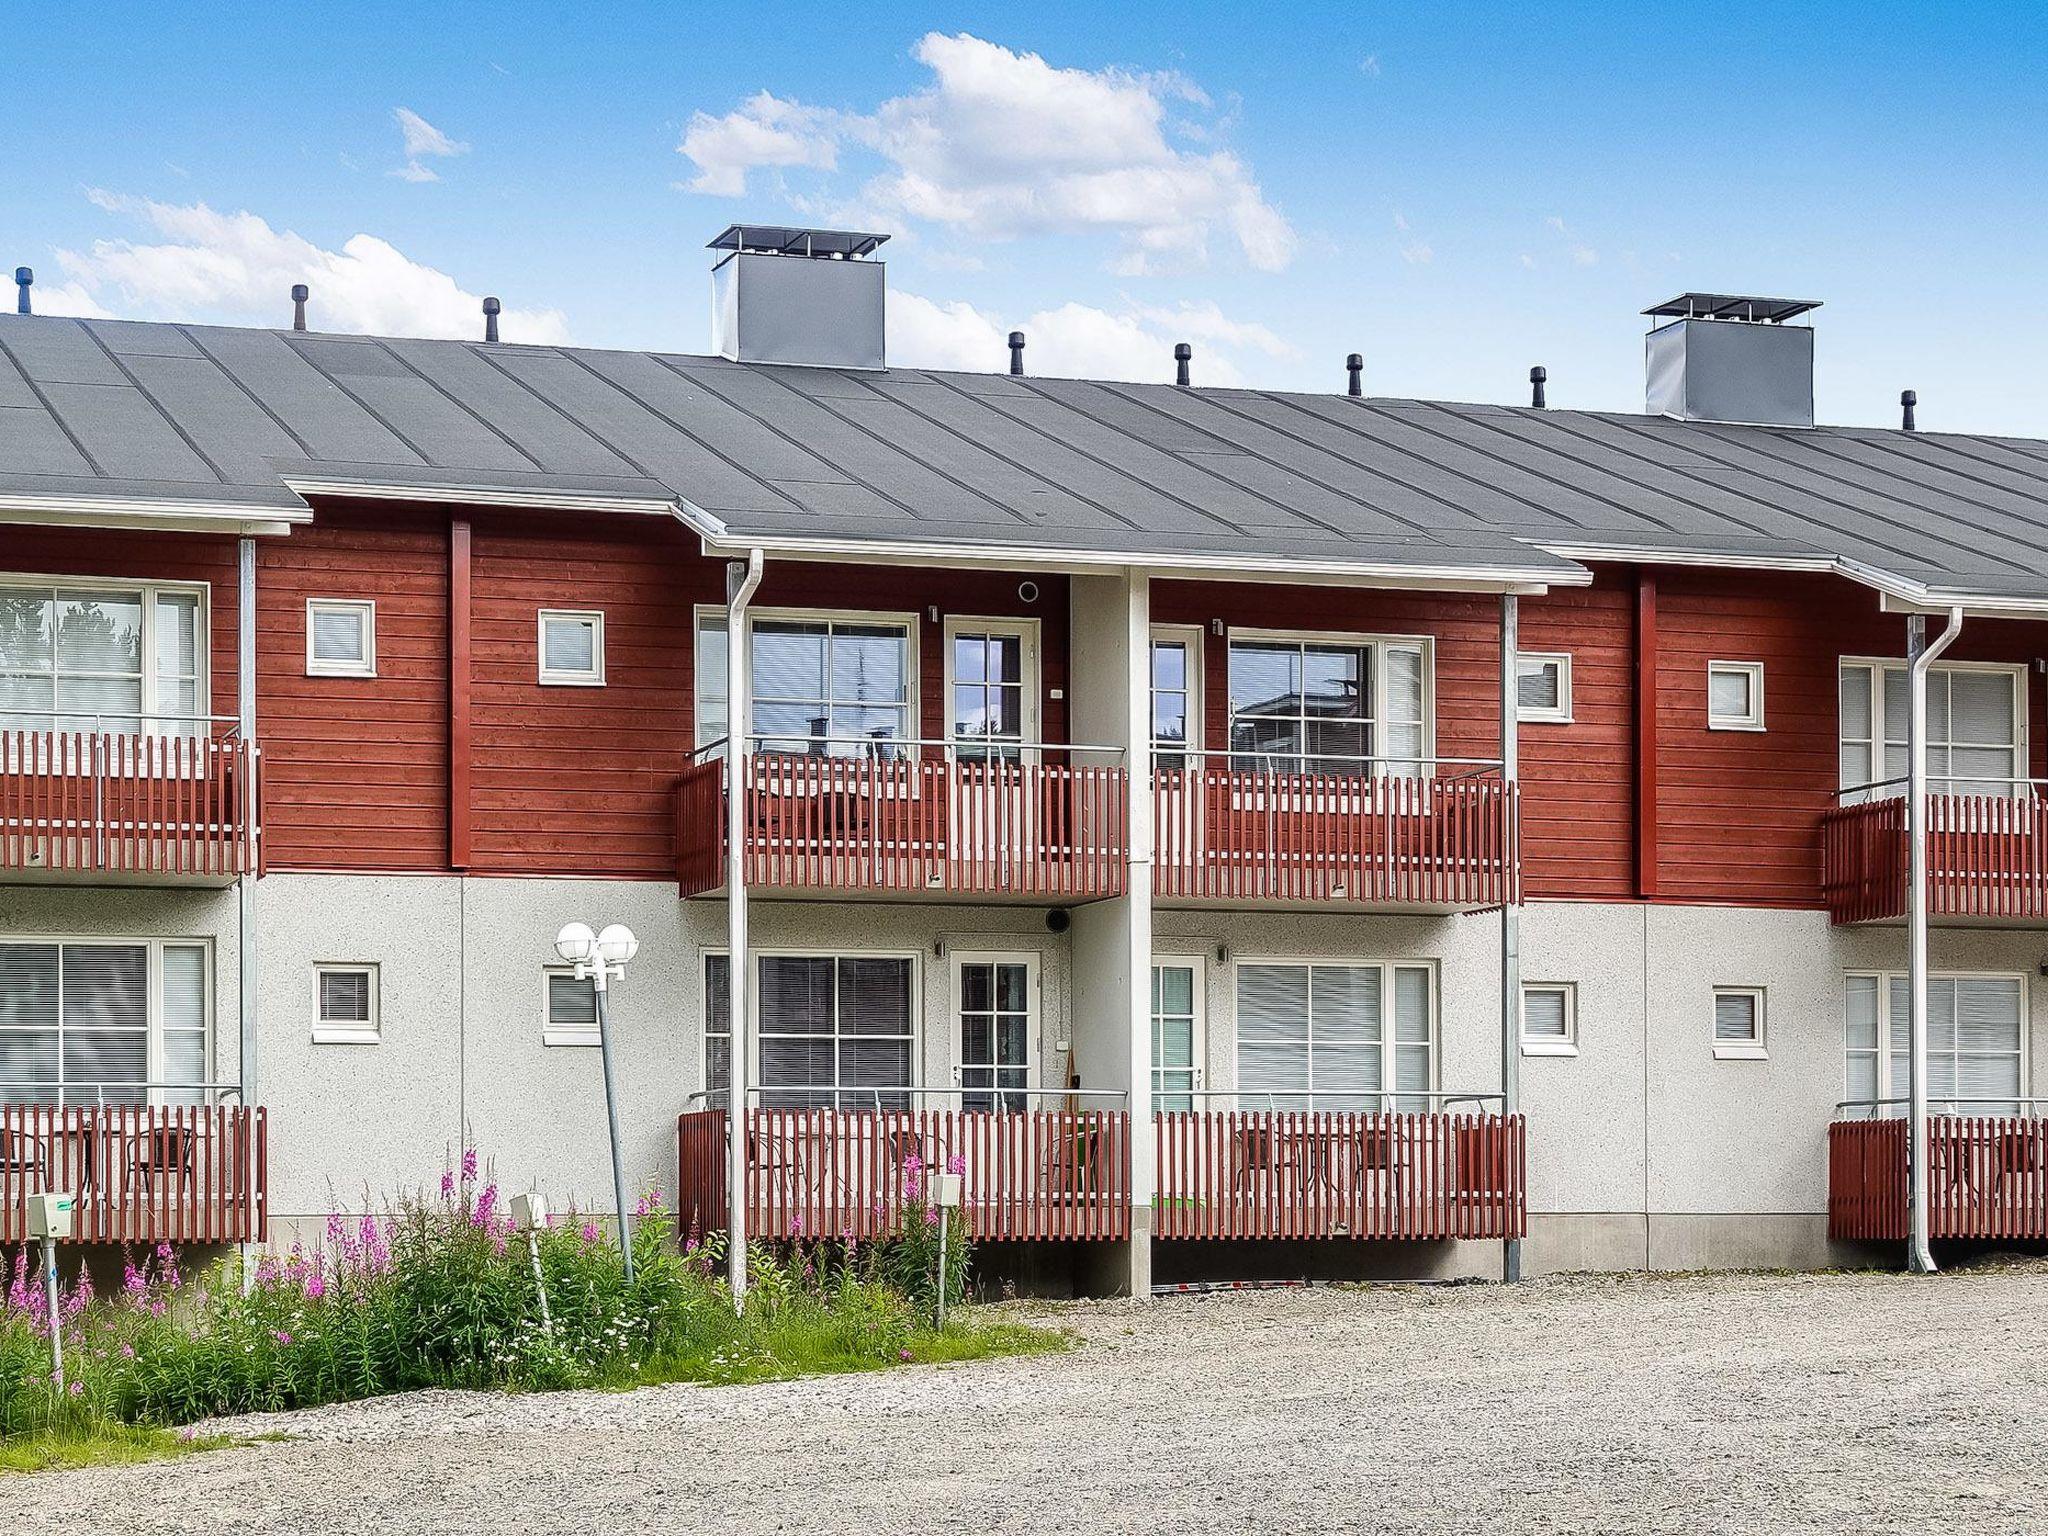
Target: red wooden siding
{"points": [[141, 1175], [1576, 780], [1988, 1179]]}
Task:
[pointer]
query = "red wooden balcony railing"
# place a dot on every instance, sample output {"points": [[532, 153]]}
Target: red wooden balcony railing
{"points": [[1988, 1178], [122, 806], [1233, 834], [928, 823], [1323, 1174], [1028, 1174], [1987, 857], [141, 1174]]}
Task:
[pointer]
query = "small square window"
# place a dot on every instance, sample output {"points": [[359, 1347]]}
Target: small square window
{"points": [[345, 1004], [572, 648], [341, 637], [1739, 1023], [1543, 686], [568, 1008], [1550, 1019], [1735, 695]]}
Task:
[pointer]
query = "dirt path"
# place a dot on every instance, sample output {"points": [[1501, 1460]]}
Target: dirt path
{"points": [[1866, 1403]]}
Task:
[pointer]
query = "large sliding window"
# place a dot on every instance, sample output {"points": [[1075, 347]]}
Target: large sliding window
{"points": [[833, 1031], [1339, 1037], [1976, 729], [102, 1021], [102, 657], [1330, 705], [1976, 1043], [828, 686]]}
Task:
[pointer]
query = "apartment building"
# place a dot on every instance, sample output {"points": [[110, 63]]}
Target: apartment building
{"points": [[1257, 834]]}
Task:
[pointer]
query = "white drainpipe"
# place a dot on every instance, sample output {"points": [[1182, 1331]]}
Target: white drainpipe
{"points": [[1920, 1253], [1510, 914], [740, 584]]}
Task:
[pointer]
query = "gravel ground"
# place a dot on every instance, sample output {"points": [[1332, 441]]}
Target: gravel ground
{"points": [[1864, 1403]]}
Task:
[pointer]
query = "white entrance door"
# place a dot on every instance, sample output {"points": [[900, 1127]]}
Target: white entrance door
{"points": [[1178, 986]]}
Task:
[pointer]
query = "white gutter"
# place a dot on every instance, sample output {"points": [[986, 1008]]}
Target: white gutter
{"points": [[1919, 1251], [537, 497], [740, 586], [131, 512]]}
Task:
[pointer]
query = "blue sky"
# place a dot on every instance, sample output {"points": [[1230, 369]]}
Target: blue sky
{"points": [[1455, 191]]}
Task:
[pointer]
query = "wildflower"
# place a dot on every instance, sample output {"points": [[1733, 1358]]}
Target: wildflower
{"points": [[164, 1252], [957, 1163], [284, 1338], [796, 1225], [127, 1351], [448, 1184], [316, 1286], [77, 1387], [469, 1165], [486, 1202], [931, 1215], [903, 1354]]}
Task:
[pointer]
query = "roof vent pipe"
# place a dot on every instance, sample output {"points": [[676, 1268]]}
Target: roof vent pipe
{"points": [[300, 293], [24, 277], [1017, 353], [1182, 355], [491, 309], [1908, 398], [1538, 377], [1354, 365]]}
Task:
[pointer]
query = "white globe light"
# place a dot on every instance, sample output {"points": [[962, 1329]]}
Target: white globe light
{"points": [[617, 944], [576, 943]]}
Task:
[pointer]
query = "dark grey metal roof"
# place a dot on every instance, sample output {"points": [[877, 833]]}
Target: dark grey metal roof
{"points": [[982, 463], [796, 241], [1733, 306]]}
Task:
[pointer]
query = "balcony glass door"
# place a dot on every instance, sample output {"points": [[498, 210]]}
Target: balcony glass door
{"points": [[1177, 997], [997, 1022]]}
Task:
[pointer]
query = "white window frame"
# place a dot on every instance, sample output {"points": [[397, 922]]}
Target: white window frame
{"points": [[565, 677], [553, 1033], [1561, 712], [1425, 766], [1886, 1088], [1566, 1044], [714, 615], [1198, 1045], [1193, 751], [1754, 720], [1252, 1099], [830, 952], [1026, 631], [1034, 1025], [153, 1011], [344, 1032], [1754, 1049], [147, 592], [1877, 666], [366, 609]]}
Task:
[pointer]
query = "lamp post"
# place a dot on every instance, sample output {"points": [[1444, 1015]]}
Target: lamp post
{"points": [[600, 957]]}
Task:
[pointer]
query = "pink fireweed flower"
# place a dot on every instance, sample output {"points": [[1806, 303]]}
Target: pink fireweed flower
{"points": [[957, 1163], [931, 1215], [796, 1225], [486, 1202], [133, 1281], [469, 1165], [164, 1252], [77, 1387], [448, 1184], [588, 1232], [284, 1337], [903, 1354], [127, 1351], [316, 1286]]}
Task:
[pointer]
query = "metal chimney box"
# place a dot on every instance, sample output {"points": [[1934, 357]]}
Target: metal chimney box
{"points": [[1731, 357], [806, 296]]}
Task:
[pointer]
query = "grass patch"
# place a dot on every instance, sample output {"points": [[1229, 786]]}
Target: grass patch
{"points": [[99, 1444]]}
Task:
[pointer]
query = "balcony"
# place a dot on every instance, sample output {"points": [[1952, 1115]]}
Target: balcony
{"points": [[1061, 1174], [1228, 834], [1987, 859], [187, 1174], [1279, 1174], [1988, 1176], [123, 807], [1041, 828]]}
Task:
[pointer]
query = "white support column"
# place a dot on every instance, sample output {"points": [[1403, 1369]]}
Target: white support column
{"points": [[1510, 909], [741, 581], [1920, 656], [1137, 740], [245, 887]]}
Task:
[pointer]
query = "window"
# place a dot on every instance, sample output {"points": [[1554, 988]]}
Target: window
{"points": [[1735, 695], [1176, 694], [84, 1022], [832, 1031], [568, 1008], [1177, 988], [572, 648], [1550, 1019], [995, 997], [1329, 1036], [102, 657], [1738, 1023], [1330, 706], [346, 1005], [1976, 729], [992, 680], [341, 637], [1976, 1038], [1543, 686], [825, 687]]}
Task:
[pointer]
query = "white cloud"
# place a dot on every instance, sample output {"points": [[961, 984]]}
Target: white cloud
{"points": [[1418, 253], [1002, 144], [423, 141], [1582, 255], [1370, 65], [1076, 340], [234, 268], [66, 299]]}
